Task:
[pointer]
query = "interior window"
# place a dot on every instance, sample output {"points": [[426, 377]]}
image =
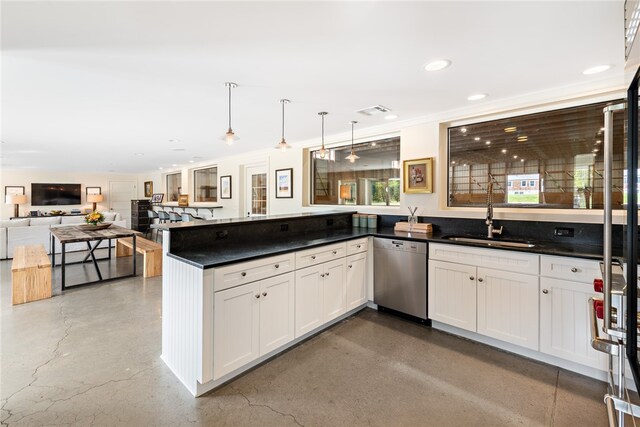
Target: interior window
{"points": [[544, 160], [174, 182], [206, 184]]}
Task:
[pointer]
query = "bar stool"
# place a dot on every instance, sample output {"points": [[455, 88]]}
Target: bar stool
{"points": [[163, 216], [174, 217], [153, 215], [186, 217]]}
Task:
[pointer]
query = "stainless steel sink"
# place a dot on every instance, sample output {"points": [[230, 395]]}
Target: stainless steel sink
{"points": [[491, 242]]}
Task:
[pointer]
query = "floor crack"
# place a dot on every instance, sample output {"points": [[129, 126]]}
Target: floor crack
{"points": [[34, 378], [555, 400], [270, 408]]}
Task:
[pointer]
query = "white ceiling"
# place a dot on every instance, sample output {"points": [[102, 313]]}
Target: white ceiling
{"points": [[87, 85]]}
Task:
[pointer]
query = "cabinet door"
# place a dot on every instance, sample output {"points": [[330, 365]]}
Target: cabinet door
{"points": [[308, 299], [236, 328], [508, 307], [356, 289], [564, 322], [276, 312], [452, 294], [334, 289]]}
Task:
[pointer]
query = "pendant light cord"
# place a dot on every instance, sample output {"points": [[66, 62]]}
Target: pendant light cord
{"points": [[352, 137], [323, 131], [229, 106], [283, 102]]}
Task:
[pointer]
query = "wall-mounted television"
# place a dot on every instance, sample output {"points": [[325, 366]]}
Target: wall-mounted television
{"points": [[55, 194]]}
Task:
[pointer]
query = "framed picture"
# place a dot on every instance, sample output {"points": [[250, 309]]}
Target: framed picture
{"points": [[183, 200], [157, 197], [418, 176], [148, 188], [12, 190], [94, 190], [284, 183], [225, 187]]}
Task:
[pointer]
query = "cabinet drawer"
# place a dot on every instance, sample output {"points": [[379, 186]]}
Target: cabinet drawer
{"points": [[357, 246], [518, 262], [250, 271], [576, 269], [319, 255]]}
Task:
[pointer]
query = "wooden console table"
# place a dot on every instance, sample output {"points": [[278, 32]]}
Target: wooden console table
{"points": [[73, 234]]}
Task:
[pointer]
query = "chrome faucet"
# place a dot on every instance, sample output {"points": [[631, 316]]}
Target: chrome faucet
{"points": [[489, 221]]}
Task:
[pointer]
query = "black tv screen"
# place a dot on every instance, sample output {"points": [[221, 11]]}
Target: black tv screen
{"points": [[55, 194]]}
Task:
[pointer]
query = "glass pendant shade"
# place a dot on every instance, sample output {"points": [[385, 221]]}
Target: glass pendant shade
{"points": [[229, 138]]}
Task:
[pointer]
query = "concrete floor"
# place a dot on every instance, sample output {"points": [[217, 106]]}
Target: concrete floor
{"points": [[92, 357]]}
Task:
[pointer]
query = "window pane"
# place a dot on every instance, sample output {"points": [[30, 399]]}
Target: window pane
{"points": [[550, 160], [206, 184], [373, 179], [174, 181]]}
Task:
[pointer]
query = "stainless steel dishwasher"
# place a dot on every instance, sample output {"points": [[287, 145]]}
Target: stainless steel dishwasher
{"points": [[400, 276]]}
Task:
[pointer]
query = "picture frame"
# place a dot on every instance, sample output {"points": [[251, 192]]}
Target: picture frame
{"points": [[148, 188], [225, 187], [13, 190], [183, 200], [93, 190], [284, 183], [417, 176], [157, 197]]}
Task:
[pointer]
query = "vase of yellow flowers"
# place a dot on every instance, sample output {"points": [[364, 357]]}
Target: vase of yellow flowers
{"points": [[94, 218]]}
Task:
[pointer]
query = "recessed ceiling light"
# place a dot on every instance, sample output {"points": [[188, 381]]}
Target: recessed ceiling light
{"points": [[391, 117], [174, 165], [510, 129], [160, 168], [477, 96], [191, 161], [174, 140], [504, 151], [437, 65], [515, 157], [177, 149], [477, 138], [488, 142], [138, 154], [595, 70]]}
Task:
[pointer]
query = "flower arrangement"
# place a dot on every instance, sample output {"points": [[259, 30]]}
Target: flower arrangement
{"points": [[94, 218]]}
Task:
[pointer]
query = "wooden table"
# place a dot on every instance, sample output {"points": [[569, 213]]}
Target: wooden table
{"points": [[73, 234]]}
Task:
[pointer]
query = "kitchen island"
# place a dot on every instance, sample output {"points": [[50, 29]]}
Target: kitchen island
{"points": [[238, 292]]}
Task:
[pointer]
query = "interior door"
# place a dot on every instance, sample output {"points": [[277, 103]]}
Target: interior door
{"points": [[256, 190], [120, 195]]}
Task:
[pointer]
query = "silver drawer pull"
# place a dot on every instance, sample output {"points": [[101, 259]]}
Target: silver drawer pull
{"points": [[277, 266], [264, 294], [335, 252], [351, 266], [322, 275], [574, 270], [313, 257], [257, 296], [472, 278], [243, 274], [480, 279], [326, 274], [545, 291]]}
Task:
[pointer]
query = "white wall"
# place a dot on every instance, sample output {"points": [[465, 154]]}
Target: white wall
{"points": [[24, 177]]}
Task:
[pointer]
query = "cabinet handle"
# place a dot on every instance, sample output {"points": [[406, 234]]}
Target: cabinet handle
{"points": [[313, 257], [277, 266], [351, 266], [480, 279], [243, 274], [472, 278], [264, 294], [574, 270], [335, 252], [545, 291], [257, 296], [326, 274], [358, 246]]}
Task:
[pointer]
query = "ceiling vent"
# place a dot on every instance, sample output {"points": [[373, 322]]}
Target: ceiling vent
{"points": [[372, 111]]}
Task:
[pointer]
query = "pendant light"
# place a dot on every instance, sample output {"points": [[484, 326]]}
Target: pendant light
{"points": [[323, 151], [352, 157], [229, 138], [282, 145]]}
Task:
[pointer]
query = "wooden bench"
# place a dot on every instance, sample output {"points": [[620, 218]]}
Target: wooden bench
{"points": [[30, 274], [152, 252]]}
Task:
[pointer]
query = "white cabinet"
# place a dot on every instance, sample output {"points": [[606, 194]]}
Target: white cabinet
{"points": [[564, 314], [356, 285], [496, 302], [251, 320], [320, 295], [452, 294], [508, 306]]}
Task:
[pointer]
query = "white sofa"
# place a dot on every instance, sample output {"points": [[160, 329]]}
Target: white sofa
{"points": [[33, 231]]}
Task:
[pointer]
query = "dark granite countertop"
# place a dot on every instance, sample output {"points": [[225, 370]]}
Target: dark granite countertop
{"points": [[228, 254]]}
